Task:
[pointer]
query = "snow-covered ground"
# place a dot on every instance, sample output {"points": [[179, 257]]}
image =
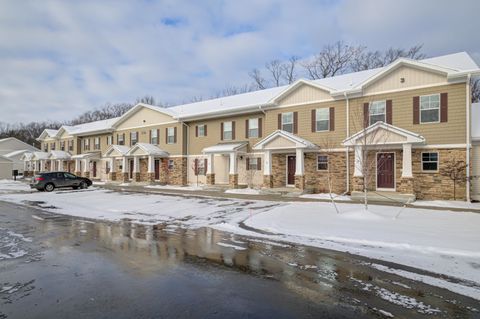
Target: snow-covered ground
{"points": [[447, 203], [244, 191], [11, 186], [326, 196], [183, 188], [442, 242]]}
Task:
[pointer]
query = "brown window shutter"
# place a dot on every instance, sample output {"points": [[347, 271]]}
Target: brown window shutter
{"points": [[233, 130], [175, 135], [246, 128], [221, 131], [248, 163], [117, 138], [124, 143], [314, 120], [195, 166], [205, 164], [158, 136], [366, 114], [150, 136], [166, 135], [389, 110], [260, 127], [205, 129], [259, 164], [280, 121], [331, 121], [444, 107], [295, 122], [416, 110], [196, 130]]}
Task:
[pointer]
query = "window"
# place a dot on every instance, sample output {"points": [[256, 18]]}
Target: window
{"points": [[200, 166], [52, 146], [133, 138], [170, 164], [69, 176], [45, 147], [430, 108], [62, 145], [171, 135], [96, 144], [252, 164], [227, 130], [109, 140], [202, 131], [107, 167], [377, 112], [287, 122], [253, 128], [430, 162], [153, 136], [120, 139], [322, 163], [86, 144], [70, 145], [322, 118]]}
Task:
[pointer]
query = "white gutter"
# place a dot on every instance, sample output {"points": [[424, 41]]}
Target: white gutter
{"points": [[468, 106], [348, 135]]}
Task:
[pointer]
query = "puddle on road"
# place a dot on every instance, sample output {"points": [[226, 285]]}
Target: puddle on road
{"points": [[317, 275]]}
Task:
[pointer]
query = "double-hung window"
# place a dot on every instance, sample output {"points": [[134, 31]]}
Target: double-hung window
{"points": [[430, 162], [287, 122], [154, 136], [253, 127], [322, 119], [201, 130], [86, 144], [377, 112], [96, 144], [322, 162], [170, 164], [109, 140], [70, 145], [52, 146], [253, 164], [430, 108], [133, 138], [227, 130], [62, 145], [171, 135], [120, 139]]}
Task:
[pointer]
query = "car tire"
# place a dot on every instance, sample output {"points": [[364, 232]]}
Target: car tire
{"points": [[49, 187], [83, 185], [75, 187]]}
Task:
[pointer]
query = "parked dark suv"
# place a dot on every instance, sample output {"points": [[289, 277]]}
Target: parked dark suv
{"points": [[49, 181]]}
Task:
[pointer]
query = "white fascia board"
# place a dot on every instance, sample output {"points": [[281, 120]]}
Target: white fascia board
{"points": [[226, 112]]}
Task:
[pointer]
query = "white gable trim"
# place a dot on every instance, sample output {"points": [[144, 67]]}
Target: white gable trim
{"points": [[149, 149], [298, 141], [410, 137], [121, 149], [293, 87], [138, 107]]}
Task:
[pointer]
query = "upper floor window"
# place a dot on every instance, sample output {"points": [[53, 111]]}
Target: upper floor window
{"points": [[45, 147], [96, 142], [322, 119], [253, 127], [153, 136], [377, 112], [62, 145], [133, 138], [430, 108], [121, 139], [52, 146], [109, 140], [287, 122], [227, 130], [201, 130], [86, 144], [322, 162], [430, 162], [70, 145], [171, 135]]}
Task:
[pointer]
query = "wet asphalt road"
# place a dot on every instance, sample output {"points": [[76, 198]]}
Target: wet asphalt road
{"points": [[66, 267]]}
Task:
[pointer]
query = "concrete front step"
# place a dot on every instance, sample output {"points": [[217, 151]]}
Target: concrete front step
{"points": [[384, 197]]}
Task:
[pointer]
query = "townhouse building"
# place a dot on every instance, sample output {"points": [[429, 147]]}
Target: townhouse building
{"points": [[401, 126]]}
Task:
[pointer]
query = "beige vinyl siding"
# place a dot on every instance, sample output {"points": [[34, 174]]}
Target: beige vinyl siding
{"points": [[103, 143], [197, 144], [412, 78], [304, 94], [144, 117], [451, 132], [476, 171]]}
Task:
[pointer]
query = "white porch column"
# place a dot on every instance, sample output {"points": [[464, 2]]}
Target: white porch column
{"points": [[112, 165], [124, 165], [136, 164], [60, 165], [77, 165], [25, 166], [358, 162], [233, 164], [299, 162], [85, 165], [42, 166], [151, 164], [407, 161], [210, 163], [267, 163]]}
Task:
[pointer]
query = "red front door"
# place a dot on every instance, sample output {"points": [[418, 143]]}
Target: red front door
{"points": [[157, 169], [291, 170], [131, 168], [385, 170]]}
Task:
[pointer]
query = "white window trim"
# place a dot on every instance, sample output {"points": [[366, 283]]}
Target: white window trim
{"points": [[316, 120], [420, 109], [152, 137], [438, 163], [323, 170], [168, 164], [370, 113], [252, 160], [292, 123], [172, 129], [203, 126], [231, 131], [250, 128]]}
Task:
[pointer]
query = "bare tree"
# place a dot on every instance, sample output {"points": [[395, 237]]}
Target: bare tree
{"points": [[289, 69], [475, 90], [456, 171], [327, 149], [259, 80], [250, 173], [275, 67], [198, 167], [147, 99], [365, 60]]}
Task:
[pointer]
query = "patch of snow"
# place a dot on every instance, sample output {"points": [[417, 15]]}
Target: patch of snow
{"points": [[447, 204], [231, 246], [99, 183], [326, 196], [245, 191], [182, 188], [9, 186]]}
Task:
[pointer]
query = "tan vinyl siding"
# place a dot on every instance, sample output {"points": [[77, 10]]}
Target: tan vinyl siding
{"points": [[476, 171], [103, 143], [304, 94], [144, 117]]}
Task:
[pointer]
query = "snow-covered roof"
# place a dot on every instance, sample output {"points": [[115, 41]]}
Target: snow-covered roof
{"points": [[15, 153], [4, 159], [94, 155], [92, 127], [39, 155], [225, 147], [59, 155], [476, 121], [26, 156], [149, 149], [120, 149], [297, 140]]}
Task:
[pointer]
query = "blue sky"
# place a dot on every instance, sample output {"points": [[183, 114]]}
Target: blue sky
{"points": [[61, 58]]}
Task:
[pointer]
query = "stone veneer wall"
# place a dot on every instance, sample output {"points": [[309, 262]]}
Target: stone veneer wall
{"points": [[317, 181], [177, 175], [279, 171]]}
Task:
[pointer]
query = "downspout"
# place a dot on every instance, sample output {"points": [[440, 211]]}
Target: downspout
{"points": [[468, 135], [348, 148]]}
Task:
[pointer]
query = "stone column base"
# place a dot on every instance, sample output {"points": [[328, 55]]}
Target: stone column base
{"points": [[210, 179], [300, 181], [78, 173], [124, 177], [136, 177], [268, 181], [150, 177], [86, 174], [112, 176], [406, 185], [357, 184], [233, 180]]}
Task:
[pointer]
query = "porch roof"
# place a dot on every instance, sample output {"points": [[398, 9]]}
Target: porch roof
{"points": [[147, 149], [39, 156], [116, 151], [382, 133], [225, 148], [93, 155], [27, 156], [280, 139], [59, 155]]}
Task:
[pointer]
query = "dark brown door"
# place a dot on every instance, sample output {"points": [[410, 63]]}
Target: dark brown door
{"points": [[157, 169], [291, 170], [385, 170], [131, 168], [94, 169]]}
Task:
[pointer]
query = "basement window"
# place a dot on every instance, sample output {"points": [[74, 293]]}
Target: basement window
{"points": [[322, 163]]}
